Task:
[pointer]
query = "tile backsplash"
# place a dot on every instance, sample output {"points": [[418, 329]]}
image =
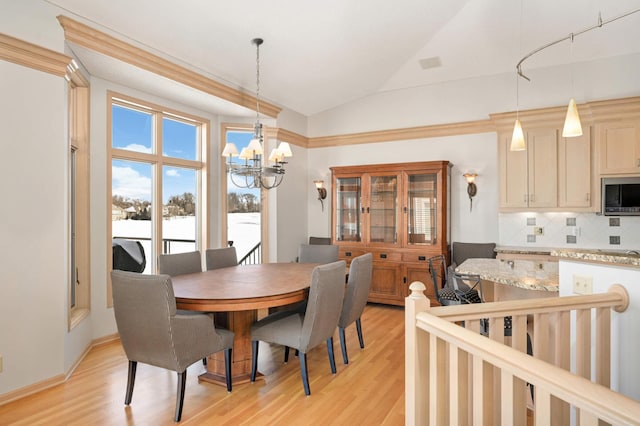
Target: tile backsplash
{"points": [[570, 230]]}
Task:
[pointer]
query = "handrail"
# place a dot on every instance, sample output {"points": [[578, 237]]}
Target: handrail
{"points": [[252, 254], [616, 298], [595, 398]]}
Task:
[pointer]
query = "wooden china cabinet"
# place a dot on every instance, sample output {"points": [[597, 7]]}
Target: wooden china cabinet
{"points": [[397, 212]]}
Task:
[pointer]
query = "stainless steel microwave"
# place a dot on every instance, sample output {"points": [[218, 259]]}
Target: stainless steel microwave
{"points": [[621, 196]]}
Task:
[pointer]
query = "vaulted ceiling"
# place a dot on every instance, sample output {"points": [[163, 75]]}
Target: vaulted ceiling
{"points": [[321, 54]]}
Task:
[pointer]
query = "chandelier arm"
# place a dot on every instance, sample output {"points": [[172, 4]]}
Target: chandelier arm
{"points": [[571, 36]]}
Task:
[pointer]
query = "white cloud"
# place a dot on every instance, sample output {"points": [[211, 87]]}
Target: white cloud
{"points": [[173, 173], [138, 148], [128, 183]]}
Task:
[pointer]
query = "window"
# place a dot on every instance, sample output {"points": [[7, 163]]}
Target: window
{"points": [[79, 242], [157, 176]]}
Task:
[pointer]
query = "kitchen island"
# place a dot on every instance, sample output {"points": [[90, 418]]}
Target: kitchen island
{"points": [[513, 279]]}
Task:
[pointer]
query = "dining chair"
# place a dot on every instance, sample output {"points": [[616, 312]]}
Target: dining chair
{"points": [[180, 263], [451, 288], [355, 299], [217, 258], [463, 251], [304, 331], [312, 253], [320, 241], [152, 332]]}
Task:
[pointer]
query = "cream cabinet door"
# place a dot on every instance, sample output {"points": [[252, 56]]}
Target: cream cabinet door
{"points": [[513, 175], [574, 171], [619, 147], [542, 153]]}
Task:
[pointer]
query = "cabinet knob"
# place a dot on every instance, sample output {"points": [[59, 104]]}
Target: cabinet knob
{"points": [[588, 196], [532, 198]]}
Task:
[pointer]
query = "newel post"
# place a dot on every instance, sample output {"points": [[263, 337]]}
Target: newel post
{"points": [[416, 377]]}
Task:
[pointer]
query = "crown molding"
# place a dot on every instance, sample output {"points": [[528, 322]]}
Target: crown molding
{"points": [[32, 56], [288, 136], [421, 132], [83, 35]]}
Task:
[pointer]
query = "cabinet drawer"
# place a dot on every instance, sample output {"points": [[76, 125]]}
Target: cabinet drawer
{"points": [[348, 254], [386, 256], [416, 257]]}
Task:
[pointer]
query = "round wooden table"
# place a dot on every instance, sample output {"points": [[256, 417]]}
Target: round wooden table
{"points": [[235, 294]]}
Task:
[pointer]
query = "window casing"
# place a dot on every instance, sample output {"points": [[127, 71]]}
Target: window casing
{"points": [[79, 235], [156, 185]]}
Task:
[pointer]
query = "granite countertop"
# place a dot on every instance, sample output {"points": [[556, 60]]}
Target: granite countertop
{"points": [[526, 274], [523, 250], [613, 257]]}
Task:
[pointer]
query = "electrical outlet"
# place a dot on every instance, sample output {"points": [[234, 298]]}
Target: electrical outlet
{"points": [[582, 284], [538, 230]]}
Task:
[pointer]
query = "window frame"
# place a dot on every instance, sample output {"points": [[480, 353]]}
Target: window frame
{"points": [[79, 237], [158, 161]]}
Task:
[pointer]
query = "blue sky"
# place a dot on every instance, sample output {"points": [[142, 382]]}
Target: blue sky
{"points": [[133, 130]]}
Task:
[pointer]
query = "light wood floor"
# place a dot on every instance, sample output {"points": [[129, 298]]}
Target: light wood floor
{"points": [[368, 391]]}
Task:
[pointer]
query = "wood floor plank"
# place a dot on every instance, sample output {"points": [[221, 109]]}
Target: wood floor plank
{"points": [[369, 390]]}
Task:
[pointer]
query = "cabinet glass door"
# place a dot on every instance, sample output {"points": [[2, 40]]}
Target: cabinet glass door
{"points": [[383, 209], [421, 204], [348, 207]]}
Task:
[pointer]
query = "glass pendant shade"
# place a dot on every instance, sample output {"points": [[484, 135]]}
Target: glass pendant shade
{"points": [[517, 140], [572, 126]]}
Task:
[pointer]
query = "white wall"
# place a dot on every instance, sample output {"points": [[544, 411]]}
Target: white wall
{"points": [[477, 153], [33, 225], [625, 345]]}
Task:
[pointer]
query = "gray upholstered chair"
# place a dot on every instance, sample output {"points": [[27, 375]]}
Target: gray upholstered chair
{"points": [[312, 253], [221, 257], [153, 333], [304, 331], [323, 241], [355, 299], [180, 263], [463, 251]]}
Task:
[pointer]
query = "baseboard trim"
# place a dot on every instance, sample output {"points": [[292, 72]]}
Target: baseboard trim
{"points": [[57, 379]]}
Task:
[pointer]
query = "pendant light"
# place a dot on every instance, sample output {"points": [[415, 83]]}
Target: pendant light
{"points": [[517, 139], [572, 126]]}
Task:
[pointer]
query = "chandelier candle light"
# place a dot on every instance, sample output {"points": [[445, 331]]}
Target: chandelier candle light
{"points": [[252, 173]]}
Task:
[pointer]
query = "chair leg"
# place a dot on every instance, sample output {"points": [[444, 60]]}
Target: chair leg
{"points": [[332, 359], [359, 330], [304, 373], [343, 345], [286, 354], [182, 381], [227, 366], [254, 359], [131, 379]]}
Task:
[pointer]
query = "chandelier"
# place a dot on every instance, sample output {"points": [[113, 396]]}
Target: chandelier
{"points": [[251, 172]]}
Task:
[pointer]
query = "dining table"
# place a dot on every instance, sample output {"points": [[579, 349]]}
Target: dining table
{"points": [[235, 294]]}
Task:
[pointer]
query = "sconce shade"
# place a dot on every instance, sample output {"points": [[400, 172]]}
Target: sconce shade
{"points": [[319, 184], [517, 139], [572, 126], [470, 177]]}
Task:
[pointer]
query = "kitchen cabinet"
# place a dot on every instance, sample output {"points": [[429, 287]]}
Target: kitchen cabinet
{"points": [[399, 213], [528, 179], [553, 173], [619, 147]]}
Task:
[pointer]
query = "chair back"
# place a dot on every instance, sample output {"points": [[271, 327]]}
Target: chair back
{"points": [[221, 257], [357, 293], [180, 263], [323, 241], [308, 253], [143, 306], [324, 304], [463, 251], [438, 271]]}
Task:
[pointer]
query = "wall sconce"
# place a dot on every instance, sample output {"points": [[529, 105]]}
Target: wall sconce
{"points": [[322, 191], [472, 189]]}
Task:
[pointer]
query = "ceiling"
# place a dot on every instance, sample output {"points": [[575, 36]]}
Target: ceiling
{"points": [[321, 54]]}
